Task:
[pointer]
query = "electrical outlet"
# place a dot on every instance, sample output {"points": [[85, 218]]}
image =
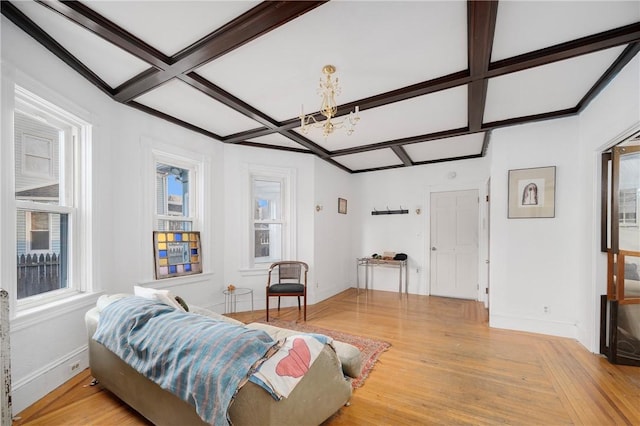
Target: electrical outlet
{"points": [[75, 367], [546, 309]]}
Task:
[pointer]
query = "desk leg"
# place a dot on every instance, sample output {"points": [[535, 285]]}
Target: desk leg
{"points": [[406, 277], [357, 276], [400, 280], [366, 276]]}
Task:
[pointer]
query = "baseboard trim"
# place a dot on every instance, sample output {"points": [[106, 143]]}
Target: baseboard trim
{"points": [[40, 382], [533, 325]]}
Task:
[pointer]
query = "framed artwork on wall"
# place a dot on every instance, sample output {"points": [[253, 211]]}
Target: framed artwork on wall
{"points": [[532, 193], [176, 253], [342, 205]]}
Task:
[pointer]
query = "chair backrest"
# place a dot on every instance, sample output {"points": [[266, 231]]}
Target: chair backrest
{"points": [[289, 270]]}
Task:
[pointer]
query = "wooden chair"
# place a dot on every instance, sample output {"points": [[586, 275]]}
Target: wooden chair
{"points": [[289, 282]]}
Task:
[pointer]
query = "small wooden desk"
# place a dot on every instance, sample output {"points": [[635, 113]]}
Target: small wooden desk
{"points": [[369, 262]]}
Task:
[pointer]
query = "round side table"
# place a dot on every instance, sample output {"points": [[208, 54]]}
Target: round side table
{"points": [[231, 298]]}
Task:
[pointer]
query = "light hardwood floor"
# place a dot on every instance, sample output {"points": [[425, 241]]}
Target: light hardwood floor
{"points": [[445, 366]]}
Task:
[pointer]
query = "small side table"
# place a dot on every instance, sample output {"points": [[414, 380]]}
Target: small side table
{"points": [[231, 298]]}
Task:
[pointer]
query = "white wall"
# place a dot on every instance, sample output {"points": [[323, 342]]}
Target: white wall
{"points": [[534, 262], [557, 262], [411, 188], [333, 246]]}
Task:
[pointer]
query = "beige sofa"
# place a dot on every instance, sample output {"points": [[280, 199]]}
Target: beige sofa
{"points": [[322, 391]]}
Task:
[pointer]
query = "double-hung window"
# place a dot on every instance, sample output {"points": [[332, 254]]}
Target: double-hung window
{"points": [[268, 220], [174, 210], [50, 194], [272, 230], [179, 188]]}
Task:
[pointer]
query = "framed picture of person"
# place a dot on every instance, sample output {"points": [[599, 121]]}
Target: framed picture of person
{"points": [[532, 193], [342, 205]]}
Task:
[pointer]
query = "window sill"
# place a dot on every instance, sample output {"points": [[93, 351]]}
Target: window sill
{"points": [[177, 281], [28, 317], [258, 270]]}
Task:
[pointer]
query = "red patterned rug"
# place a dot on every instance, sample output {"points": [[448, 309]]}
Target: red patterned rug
{"points": [[370, 349]]}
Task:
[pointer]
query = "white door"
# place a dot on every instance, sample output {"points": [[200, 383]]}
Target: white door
{"points": [[454, 244]]}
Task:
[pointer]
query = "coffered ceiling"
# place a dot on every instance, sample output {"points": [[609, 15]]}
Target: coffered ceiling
{"points": [[432, 79]]}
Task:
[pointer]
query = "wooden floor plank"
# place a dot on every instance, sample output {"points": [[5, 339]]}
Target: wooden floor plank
{"points": [[445, 366]]}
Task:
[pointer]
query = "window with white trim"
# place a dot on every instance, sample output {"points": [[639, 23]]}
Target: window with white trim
{"points": [[50, 177], [39, 232], [272, 234], [174, 210]]}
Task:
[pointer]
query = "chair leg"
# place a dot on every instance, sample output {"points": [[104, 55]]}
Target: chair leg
{"points": [[278, 303], [267, 308], [298, 302]]}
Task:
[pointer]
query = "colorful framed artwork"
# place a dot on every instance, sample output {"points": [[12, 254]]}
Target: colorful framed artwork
{"points": [[532, 193], [176, 253], [342, 205]]}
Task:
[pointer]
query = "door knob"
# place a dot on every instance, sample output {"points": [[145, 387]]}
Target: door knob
{"points": [[433, 249]]}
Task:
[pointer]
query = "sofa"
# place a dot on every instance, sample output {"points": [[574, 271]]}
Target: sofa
{"points": [[320, 392]]}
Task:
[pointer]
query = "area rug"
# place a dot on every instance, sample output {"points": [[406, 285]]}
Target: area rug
{"points": [[370, 349]]}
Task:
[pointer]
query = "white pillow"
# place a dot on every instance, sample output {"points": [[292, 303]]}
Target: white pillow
{"points": [[163, 296], [106, 299]]}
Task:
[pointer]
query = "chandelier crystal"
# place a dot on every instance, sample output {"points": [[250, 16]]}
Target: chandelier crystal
{"points": [[328, 91]]}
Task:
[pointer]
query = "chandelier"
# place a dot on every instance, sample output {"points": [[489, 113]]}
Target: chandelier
{"points": [[328, 91]]}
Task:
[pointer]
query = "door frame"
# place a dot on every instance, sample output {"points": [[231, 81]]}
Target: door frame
{"points": [[483, 232]]}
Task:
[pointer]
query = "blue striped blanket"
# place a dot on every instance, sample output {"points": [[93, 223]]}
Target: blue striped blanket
{"points": [[199, 359]]}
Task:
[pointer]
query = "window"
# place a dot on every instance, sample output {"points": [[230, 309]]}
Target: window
{"points": [[271, 222], [38, 225], [181, 191], [268, 220], [628, 207], [49, 145], [173, 201]]}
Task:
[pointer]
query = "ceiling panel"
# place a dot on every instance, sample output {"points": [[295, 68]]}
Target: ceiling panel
{"points": [[112, 64], [458, 146], [369, 159], [276, 139], [375, 46], [525, 26], [170, 26], [552, 87], [188, 104], [435, 112]]}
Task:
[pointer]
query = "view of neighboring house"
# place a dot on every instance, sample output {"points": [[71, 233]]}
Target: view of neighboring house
{"points": [[37, 159]]}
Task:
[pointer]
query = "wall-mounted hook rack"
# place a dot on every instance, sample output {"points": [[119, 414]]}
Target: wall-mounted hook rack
{"points": [[377, 212]]}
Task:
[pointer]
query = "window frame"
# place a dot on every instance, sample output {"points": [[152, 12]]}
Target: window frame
{"points": [[74, 199], [287, 178], [280, 220], [194, 168], [30, 231], [199, 164]]}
